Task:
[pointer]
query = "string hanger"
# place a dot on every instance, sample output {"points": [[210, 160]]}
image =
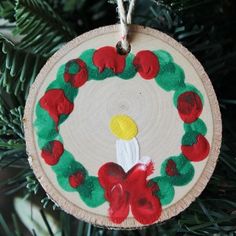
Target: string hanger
{"points": [[125, 21]]}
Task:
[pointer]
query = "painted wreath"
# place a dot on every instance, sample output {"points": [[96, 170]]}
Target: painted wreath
{"points": [[125, 185]]}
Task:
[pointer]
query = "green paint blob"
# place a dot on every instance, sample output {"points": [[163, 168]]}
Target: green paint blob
{"points": [[44, 123], [164, 57], [185, 170], [73, 68], [166, 190], [62, 118], [91, 192], [130, 70], [197, 126], [68, 166], [189, 138], [170, 77], [186, 88]]}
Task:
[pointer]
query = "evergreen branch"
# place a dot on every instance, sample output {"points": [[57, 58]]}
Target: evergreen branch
{"points": [[11, 130], [18, 68], [21, 176], [7, 10], [32, 184], [42, 28]]}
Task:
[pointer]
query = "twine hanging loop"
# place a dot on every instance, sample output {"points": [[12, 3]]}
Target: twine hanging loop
{"points": [[125, 21]]}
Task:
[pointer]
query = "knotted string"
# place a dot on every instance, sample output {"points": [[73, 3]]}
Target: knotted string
{"points": [[125, 21]]}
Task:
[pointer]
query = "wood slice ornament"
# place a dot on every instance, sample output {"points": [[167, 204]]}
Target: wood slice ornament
{"points": [[123, 141]]}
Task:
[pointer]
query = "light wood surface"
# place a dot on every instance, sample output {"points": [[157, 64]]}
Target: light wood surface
{"points": [[86, 132]]}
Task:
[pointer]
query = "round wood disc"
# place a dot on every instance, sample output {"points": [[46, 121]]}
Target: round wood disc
{"points": [[123, 141]]}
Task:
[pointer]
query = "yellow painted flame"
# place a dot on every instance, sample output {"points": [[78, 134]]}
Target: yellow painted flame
{"points": [[123, 127]]}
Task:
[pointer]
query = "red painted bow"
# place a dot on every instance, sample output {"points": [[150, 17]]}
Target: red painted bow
{"points": [[130, 190]]}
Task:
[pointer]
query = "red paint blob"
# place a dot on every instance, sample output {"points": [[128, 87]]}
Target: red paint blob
{"points": [[146, 207], [171, 168], [76, 179], [78, 79], [52, 152], [147, 64], [108, 57], [114, 173], [131, 189], [198, 151], [189, 106], [119, 204], [56, 104]]}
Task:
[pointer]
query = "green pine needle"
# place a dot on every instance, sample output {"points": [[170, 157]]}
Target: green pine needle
{"points": [[7, 10], [43, 29], [4, 226], [18, 68]]}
